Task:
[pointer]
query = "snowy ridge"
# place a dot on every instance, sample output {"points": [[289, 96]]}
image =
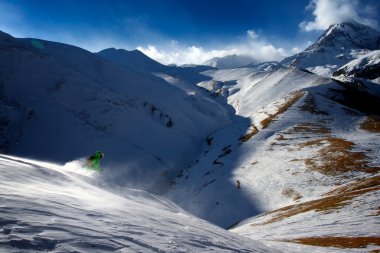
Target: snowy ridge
{"points": [[132, 59]]}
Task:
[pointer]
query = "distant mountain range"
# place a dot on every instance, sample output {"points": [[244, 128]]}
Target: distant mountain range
{"points": [[230, 61]]}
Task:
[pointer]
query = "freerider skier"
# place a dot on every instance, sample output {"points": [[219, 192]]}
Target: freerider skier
{"points": [[92, 162]]}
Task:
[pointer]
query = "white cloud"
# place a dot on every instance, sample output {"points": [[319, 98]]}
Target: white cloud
{"points": [[251, 46], [252, 34], [184, 55], [327, 12]]}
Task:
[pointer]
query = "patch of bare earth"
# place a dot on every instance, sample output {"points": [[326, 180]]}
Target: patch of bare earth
{"points": [[310, 106], [371, 124], [290, 100], [339, 242], [342, 196], [336, 157], [310, 128], [281, 138], [252, 131], [355, 186]]}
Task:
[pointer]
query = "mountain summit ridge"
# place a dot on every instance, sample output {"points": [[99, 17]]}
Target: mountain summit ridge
{"points": [[133, 59]]}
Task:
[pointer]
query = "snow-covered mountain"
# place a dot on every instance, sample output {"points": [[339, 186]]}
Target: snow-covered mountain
{"points": [[230, 61], [60, 102], [338, 45]]}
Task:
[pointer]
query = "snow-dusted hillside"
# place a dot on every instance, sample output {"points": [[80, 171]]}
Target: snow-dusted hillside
{"points": [[345, 219], [338, 45], [303, 153], [298, 137], [211, 182], [49, 208], [60, 102]]}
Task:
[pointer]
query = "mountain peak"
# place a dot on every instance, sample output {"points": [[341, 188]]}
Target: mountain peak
{"points": [[134, 59], [121, 51], [349, 34]]}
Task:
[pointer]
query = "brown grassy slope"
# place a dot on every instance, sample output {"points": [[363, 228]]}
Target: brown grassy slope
{"points": [[371, 124], [335, 157], [328, 203], [338, 241]]}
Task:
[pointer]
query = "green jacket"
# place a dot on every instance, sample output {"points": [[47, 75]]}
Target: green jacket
{"points": [[93, 161]]}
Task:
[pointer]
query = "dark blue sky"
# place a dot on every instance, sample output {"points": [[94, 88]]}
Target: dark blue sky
{"points": [[209, 24]]}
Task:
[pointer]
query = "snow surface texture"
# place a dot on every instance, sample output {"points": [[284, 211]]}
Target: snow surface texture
{"points": [[46, 207]]}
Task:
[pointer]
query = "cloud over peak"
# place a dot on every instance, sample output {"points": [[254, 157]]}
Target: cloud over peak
{"points": [[251, 46], [327, 12]]}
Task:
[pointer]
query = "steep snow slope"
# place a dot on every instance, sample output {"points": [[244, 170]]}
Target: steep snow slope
{"points": [[46, 207], [59, 102], [338, 45]]}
